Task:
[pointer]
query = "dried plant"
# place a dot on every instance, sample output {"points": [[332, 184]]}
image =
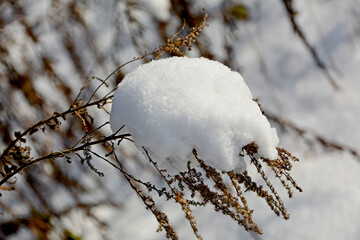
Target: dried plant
{"points": [[174, 44], [17, 157], [75, 136], [311, 138]]}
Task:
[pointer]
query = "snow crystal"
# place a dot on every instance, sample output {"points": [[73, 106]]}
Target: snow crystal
{"points": [[173, 105]]}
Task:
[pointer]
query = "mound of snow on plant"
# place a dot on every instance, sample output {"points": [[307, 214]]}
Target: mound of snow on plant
{"points": [[173, 105]]}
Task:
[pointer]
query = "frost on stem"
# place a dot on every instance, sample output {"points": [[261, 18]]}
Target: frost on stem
{"points": [[193, 117]]}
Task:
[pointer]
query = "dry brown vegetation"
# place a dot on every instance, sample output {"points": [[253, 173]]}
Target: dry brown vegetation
{"points": [[76, 136]]}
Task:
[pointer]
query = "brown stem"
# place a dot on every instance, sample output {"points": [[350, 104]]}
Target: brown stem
{"points": [[54, 155], [291, 14], [40, 123]]}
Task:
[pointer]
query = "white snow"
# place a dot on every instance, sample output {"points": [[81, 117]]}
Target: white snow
{"points": [[158, 8], [173, 105]]}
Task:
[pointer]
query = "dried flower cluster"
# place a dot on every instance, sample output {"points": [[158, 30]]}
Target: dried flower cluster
{"points": [[174, 44], [211, 187]]}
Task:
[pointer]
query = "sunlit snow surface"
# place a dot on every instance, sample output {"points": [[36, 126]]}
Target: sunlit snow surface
{"points": [[174, 105]]}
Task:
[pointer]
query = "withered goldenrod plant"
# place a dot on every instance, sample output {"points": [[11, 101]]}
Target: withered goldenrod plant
{"points": [[195, 187]]}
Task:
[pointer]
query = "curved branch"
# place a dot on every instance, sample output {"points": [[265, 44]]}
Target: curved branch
{"points": [[54, 155], [54, 116]]}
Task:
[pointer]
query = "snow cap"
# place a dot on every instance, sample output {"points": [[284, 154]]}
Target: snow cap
{"points": [[173, 105]]}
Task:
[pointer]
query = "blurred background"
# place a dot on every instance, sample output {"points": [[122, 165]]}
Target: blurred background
{"points": [[301, 59]]}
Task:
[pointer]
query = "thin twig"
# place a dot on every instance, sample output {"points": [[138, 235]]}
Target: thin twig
{"points": [[54, 155], [117, 69], [41, 123], [296, 27]]}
